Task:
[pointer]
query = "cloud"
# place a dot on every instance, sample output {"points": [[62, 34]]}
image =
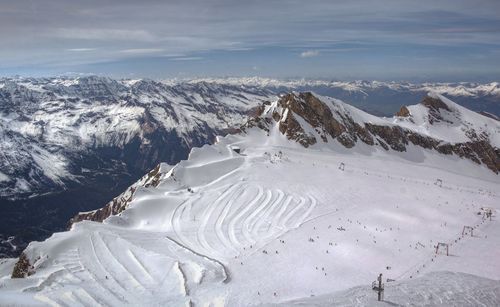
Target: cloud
{"points": [[309, 54], [80, 49], [142, 50], [102, 34], [192, 58], [61, 33]]}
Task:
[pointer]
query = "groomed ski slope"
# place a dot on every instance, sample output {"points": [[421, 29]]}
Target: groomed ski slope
{"points": [[274, 224]]}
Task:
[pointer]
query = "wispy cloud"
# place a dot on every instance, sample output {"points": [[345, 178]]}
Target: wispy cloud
{"points": [[191, 58], [103, 34], [80, 49], [142, 50], [309, 54]]}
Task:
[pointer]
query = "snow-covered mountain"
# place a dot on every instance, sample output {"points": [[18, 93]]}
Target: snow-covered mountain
{"points": [[72, 144], [45, 123], [436, 123], [312, 197], [471, 89]]}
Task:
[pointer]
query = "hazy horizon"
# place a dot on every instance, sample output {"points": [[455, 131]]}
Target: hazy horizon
{"points": [[71, 75]]}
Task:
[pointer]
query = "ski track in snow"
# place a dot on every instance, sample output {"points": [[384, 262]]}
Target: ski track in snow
{"points": [[108, 272], [254, 215]]}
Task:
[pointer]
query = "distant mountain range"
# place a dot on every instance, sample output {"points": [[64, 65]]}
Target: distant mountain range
{"points": [[379, 97]]}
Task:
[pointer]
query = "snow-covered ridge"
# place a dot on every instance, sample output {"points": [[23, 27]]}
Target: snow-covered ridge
{"points": [[451, 123], [436, 123]]}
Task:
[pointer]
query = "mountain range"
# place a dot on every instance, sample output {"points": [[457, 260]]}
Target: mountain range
{"points": [[306, 203], [74, 144]]}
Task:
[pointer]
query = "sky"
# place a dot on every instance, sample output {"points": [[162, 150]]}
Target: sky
{"points": [[438, 40]]}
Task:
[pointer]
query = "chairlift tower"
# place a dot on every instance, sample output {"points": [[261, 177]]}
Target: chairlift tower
{"points": [[443, 246], [468, 229], [379, 287]]}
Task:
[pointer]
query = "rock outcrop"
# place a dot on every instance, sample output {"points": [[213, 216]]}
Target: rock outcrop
{"points": [[22, 268]]}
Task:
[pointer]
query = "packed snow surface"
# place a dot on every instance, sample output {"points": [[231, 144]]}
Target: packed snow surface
{"points": [[281, 224]]}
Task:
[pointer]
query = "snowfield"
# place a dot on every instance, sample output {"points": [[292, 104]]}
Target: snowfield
{"points": [[279, 224]]}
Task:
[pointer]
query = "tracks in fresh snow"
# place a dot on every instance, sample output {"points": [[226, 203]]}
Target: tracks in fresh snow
{"points": [[237, 217], [117, 268]]}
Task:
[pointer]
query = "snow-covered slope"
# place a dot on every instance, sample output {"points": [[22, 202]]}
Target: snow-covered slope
{"points": [[258, 218]]}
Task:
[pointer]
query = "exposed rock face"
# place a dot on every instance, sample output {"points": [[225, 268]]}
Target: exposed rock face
{"points": [[22, 268], [292, 111], [394, 136], [435, 106], [318, 115], [492, 116], [403, 112]]}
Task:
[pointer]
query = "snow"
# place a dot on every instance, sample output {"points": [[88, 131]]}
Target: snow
{"points": [[4, 177], [22, 185], [278, 224], [357, 115], [53, 166], [67, 82]]}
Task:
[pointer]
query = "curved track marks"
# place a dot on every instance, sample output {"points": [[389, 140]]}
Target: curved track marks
{"points": [[123, 268], [237, 217]]}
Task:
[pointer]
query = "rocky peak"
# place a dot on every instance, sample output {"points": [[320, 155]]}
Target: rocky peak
{"points": [[434, 103], [438, 110], [311, 120], [323, 121]]}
